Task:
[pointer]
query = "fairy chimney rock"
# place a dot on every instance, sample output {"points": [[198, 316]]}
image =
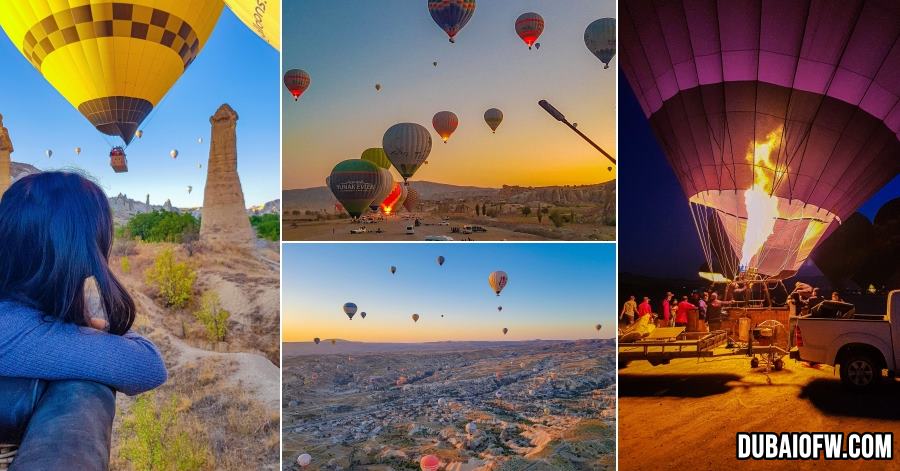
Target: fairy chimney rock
{"points": [[6, 148], [225, 221]]}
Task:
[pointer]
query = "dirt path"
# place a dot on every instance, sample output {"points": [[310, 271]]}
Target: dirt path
{"points": [[685, 415]]}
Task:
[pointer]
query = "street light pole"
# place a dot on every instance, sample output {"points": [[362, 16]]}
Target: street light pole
{"points": [[560, 117]]}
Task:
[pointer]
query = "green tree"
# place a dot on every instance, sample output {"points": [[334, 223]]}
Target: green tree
{"points": [[526, 210], [268, 226], [557, 218], [155, 440], [126, 265], [173, 280], [161, 226], [213, 317]]}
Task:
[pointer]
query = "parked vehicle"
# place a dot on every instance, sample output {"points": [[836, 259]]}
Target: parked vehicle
{"points": [[438, 238], [359, 230], [861, 345], [410, 230], [473, 228]]}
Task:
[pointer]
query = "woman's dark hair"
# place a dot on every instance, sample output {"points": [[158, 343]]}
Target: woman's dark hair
{"points": [[56, 230]]}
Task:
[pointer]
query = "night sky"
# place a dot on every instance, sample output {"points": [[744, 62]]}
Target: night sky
{"points": [[656, 232]]}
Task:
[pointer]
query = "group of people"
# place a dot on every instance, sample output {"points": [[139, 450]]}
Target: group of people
{"points": [[805, 297], [673, 311]]}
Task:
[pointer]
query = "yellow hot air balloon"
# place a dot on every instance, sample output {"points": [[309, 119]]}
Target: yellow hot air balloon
{"points": [[263, 17], [112, 60]]}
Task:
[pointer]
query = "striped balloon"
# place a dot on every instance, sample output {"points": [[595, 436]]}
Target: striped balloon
{"points": [[451, 15], [412, 198], [493, 117], [385, 185], [349, 309], [296, 81], [377, 156], [600, 39], [498, 280], [445, 122], [529, 27], [407, 146], [355, 183]]}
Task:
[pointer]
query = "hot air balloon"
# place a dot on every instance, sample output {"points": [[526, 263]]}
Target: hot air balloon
{"points": [[48, 153], [395, 199], [78, 151], [333, 341], [471, 428], [355, 183], [499, 308], [199, 140], [112, 61], [393, 269], [598, 327], [262, 17], [775, 131], [451, 15], [139, 134], [296, 81], [117, 160], [173, 153], [349, 310], [377, 156], [445, 122], [537, 46], [600, 39], [497, 280], [493, 117], [609, 169], [440, 260], [199, 165], [412, 197], [377, 87], [415, 318], [434, 63], [190, 189], [304, 460], [505, 330], [430, 462], [407, 145], [362, 314], [317, 340], [529, 27]]}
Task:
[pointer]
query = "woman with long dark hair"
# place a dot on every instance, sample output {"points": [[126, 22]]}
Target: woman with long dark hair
{"points": [[65, 320]]}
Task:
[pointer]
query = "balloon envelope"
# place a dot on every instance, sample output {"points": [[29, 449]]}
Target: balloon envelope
{"points": [[445, 122], [262, 17], [451, 15], [412, 198], [774, 129], [415, 318], [349, 309], [355, 184], [377, 156], [317, 340], [498, 280], [505, 330], [407, 146], [296, 81], [529, 27], [493, 117], [395, 199], [113, 62], [393, 269], [173, 153], [600, 39], [440, 260]]}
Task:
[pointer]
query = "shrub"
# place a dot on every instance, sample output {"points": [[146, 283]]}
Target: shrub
{"points": [[173, 280], [557, 218], [526, 210], [213, 317], [126, 265], [161, 226], [156, 440], [268, 226]]}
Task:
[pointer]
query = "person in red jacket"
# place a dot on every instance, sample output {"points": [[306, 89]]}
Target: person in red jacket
{"points": [[684, 306], [644, 308], [667, 308]]}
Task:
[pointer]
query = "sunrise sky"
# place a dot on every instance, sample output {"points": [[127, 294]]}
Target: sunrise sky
{"points": [[348, 46], [555, 291]]}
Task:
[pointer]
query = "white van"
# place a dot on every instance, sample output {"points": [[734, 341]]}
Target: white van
{"points": [[410, 230]]}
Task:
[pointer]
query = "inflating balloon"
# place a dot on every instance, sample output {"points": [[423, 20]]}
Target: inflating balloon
{"points": [[451, 15], [498, 280], [395, 199], [296, 81], [349, 310], [412, 198], [445, 122], [407, 146], [529, 27], [600, 39], [112, 61], [355, 184], [493, 117]]}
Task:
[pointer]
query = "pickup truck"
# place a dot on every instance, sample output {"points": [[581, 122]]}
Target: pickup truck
{"points": [[863, 345]]}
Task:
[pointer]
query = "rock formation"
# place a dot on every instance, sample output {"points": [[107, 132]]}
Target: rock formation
{"points": [[6, 148], [224, 221]]}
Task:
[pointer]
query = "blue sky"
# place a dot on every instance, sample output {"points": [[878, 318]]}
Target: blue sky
{"points": [[235, 67], [348, 46], [555, 291]]}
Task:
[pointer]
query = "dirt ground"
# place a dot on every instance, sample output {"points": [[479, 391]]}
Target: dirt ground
{"points": [[685, 415], [394, 229]]}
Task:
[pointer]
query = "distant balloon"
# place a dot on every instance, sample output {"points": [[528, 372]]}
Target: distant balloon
{"points": [[377, 87], [199, 165], [362, 314], [537, 46], [609, 169], [349, 310], [412, 197], [493, 117], [505, 330], [139, 134], [393, 269], [598, 327], [190, 189], [415, 318], [48, 153], [499, 308], [407, 145], [173, 153], [445, 122], [296, 81], [529, 27], [498, 280], [434, 63], [199, 140], [355, 184], [451, 15], [600, 39], [304, 460], [430, 462], [377, 156], [317, 340], [440, 260], [78, 151]]}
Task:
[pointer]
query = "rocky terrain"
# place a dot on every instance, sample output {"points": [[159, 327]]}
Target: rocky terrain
{"points": [[533, 405]]}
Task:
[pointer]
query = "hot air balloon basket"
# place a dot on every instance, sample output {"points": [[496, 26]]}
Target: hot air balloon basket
{"points": [[7, 453]]}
